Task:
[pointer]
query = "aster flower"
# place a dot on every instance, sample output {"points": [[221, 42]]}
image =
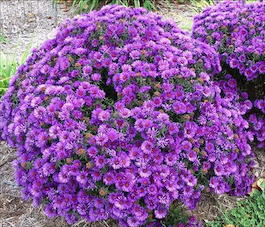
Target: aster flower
{"points": [[101, 139], [192, 156], [49, 211], [162, 142], [179, 107], [48, 169], [63, 178], [63, 63], [147, 147], [219, 169], [104, 115], [160, 212], [92, 151], [186, 145], [39, 112], [133, 221], [171, 159], [125, 113], [100, 161], [145, 172], [116, 163]]}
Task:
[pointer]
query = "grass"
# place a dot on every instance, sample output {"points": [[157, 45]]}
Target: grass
{"points": [[82, 6], [199, 5], [8, 67], [3, 39], [88, 5], [186, 24], [249, 212]]}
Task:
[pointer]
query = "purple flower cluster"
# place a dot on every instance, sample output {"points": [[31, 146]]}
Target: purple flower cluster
{"points": [[236, 31], [117, 117], [257, 129], [255, 120]]}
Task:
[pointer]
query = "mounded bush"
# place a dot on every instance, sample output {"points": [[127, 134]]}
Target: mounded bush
{"points": [[117, 117], [252, 112], [237, 31]]}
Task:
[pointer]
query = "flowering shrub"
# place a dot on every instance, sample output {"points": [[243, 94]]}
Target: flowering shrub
{"points": [[117, 117], [250, 111], [236, 31]]}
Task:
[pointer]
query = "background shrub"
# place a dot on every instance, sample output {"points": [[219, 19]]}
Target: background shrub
{"points": [[236, 31], [250, 110]]}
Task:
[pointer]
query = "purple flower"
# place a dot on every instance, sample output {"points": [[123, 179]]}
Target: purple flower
{"points": [[100, 161], [239, 41], [133, 222], [219, 170], [145, 172], [92, 151], [147, 147], [139, 212], [192, 156], [179, 107], [63, 63], [49, 211], [160, 212], [63, 178], [186, 145], [152, 189], [104, 115], [171, 159], [135, 54]]}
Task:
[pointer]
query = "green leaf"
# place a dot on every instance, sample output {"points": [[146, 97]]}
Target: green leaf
{"points": [[137, 3]]}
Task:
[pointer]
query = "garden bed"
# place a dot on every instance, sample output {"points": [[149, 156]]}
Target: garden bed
{"points": [[39, 25]]}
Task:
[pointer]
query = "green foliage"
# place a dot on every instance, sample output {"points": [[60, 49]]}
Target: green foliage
{"points": [[3, 39], [199, 5], [186, 24], [8, 67], [249, 212], [88, 5], [178, 214]]}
